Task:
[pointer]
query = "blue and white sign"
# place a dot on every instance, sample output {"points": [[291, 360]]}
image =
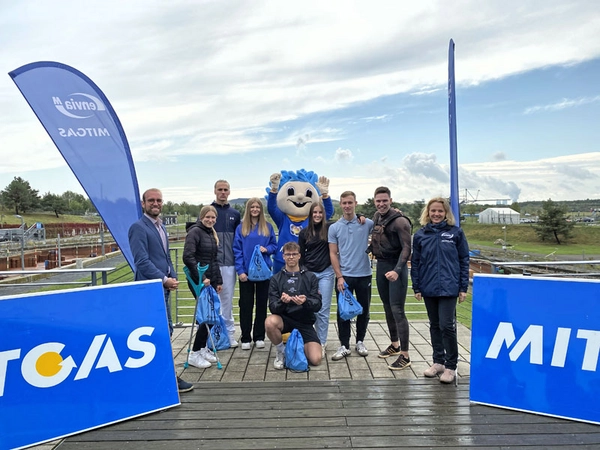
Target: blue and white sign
{"points": [[535, 345], [75, 360]]}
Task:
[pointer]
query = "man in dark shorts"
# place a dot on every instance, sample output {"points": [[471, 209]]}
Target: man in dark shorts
{"points": [[294, 299]]}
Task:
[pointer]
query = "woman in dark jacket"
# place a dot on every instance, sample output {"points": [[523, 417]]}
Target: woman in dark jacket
{"points": [[440, 273], [201, 246]]}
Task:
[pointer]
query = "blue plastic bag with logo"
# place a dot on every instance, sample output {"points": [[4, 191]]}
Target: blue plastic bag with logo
{"points": [[209, 306], [348, 306], [220, 336], [295, 359], [259, 269]]}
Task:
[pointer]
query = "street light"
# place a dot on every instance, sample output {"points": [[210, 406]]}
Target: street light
{"points": [[504, 246], [22, 241]]}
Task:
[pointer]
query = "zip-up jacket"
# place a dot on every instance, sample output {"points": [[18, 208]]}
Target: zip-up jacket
{"points": [[228, 218], [314, 253], [201, 247], [440, 261]]}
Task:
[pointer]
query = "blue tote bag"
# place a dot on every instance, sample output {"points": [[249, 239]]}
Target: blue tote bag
{"points": [[348, 306], [295, 358], [209, 306], [258, 270]]}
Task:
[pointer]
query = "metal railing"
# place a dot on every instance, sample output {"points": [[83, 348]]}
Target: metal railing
{"points": [[42, 274]]}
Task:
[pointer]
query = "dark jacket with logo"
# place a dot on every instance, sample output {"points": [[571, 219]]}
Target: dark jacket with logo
{"points": [[228, 218], [305, 283], [440, 261], [201, 247]]}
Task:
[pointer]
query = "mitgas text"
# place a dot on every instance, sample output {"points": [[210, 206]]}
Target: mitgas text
{"points": [[83, 132]]}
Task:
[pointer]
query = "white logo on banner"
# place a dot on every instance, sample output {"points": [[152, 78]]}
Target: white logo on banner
{"points": [[43, 366], [76, 107], [533, 338]]}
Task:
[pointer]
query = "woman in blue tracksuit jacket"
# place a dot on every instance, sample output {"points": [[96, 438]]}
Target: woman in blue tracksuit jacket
{"points": [[440, 273], [254, 230]]}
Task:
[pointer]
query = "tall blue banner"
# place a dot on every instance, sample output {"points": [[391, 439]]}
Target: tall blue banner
{"points": [[75, 360], [87, 132], [535, 345], [454, 200]]}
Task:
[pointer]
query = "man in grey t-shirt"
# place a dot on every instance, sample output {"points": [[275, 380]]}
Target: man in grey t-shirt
{"points": [[348, 242]]}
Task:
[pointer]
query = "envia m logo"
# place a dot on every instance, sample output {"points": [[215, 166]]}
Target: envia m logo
{"points": [[78, 105], [533, 338]]}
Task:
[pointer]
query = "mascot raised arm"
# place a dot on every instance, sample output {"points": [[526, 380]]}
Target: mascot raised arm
{"points": [[290, 196]]}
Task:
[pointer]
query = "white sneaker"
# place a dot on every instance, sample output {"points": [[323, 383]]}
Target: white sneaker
{"points": [[361, 349], [195, 359], [279, 363], [322, 352], [208, 355], [246, 345], [341, 353], [233, 343], [260, 344]]}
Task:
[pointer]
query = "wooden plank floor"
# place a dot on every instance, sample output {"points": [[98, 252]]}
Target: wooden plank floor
{"points": [[353, 403], [361, 414]]}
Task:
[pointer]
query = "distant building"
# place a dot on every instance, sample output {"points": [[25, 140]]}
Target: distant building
{"points": [[499, 215]]}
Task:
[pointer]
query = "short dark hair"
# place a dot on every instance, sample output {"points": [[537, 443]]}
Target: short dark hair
{"points": [[382, 190], [291, 246]]}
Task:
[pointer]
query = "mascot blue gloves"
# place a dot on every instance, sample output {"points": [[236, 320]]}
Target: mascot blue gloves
{"points": [[289, 201]]}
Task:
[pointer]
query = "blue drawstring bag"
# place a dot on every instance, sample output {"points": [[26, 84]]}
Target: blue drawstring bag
{"points": [[348, 306], [220, 336], [209, 306], [295, 359], [258, 270]]}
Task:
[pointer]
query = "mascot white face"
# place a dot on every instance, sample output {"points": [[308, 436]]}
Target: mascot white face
{"points": [[295, 198]]}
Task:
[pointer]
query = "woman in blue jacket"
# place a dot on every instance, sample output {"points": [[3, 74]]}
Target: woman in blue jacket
{"points": [[254, 230], [440, 273]]}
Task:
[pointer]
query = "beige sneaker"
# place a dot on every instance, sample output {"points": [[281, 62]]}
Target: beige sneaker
{"points": [[434, 371], [448, 376]]}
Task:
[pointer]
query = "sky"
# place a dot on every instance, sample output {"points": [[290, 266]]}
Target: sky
{"points": [[355, 91]]}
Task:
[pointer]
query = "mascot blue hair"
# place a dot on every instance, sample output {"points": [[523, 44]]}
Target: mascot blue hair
{"points": [[289, 199]]}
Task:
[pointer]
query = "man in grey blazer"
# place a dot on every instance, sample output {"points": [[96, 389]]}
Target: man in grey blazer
{"points": [[150, 247]]}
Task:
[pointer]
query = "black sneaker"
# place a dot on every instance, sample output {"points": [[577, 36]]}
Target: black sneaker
{"points": [[401, 363], [184, 386], [390, 351]]}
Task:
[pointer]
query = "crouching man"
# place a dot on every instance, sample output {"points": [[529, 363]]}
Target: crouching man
{"points": [[294, 299]]}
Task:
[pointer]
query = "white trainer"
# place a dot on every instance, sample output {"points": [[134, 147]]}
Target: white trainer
{"points": [[260, 344], [246, 345], [279, 363], [341, 353], [361, 349], [208, 355], [233, 343], [195, 359]]}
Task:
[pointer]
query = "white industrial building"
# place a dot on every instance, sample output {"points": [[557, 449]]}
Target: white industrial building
{"points": [[500, 215]]}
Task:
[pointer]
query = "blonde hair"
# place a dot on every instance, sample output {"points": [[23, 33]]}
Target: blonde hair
{"points": [[203, 212], [425, 219], [261, 227]]}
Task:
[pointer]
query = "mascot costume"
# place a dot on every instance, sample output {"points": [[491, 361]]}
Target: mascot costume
{"points": [[289, 200]]}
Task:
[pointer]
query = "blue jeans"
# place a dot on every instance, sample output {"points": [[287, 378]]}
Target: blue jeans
{"points": [[167, 294], [326, 280]]}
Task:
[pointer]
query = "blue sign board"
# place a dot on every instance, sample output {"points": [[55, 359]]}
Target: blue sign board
{"points": [[75, 360], [535, 345]]}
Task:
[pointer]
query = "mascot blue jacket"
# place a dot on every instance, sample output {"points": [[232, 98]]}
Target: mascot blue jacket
{"points": [[290, 197]]}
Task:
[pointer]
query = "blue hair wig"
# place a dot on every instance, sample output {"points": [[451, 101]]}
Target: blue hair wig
{"points": [[299, 175]]}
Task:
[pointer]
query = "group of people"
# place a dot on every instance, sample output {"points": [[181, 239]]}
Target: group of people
{"points": [[327, 254]]}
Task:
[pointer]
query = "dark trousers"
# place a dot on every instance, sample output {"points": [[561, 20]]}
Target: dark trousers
{"points": [[442, 328], [360, 287], [251, 293], [393, 297], [167, 295]]}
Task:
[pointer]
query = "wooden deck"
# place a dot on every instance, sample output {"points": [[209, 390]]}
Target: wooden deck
{"points": [[353, 403]]}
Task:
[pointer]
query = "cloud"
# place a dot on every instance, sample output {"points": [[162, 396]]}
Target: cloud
{"points": [[563, 104], [427, 166], [343, 155], [499, 156]]}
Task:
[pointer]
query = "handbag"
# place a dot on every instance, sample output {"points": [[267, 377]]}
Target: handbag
{"points": [[209, 306], [348, 306], [295, 359], [258, 270], [220, 336]]}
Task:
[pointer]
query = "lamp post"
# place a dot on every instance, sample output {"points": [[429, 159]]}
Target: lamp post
{"points": [[22, 241], [504, 246]]}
